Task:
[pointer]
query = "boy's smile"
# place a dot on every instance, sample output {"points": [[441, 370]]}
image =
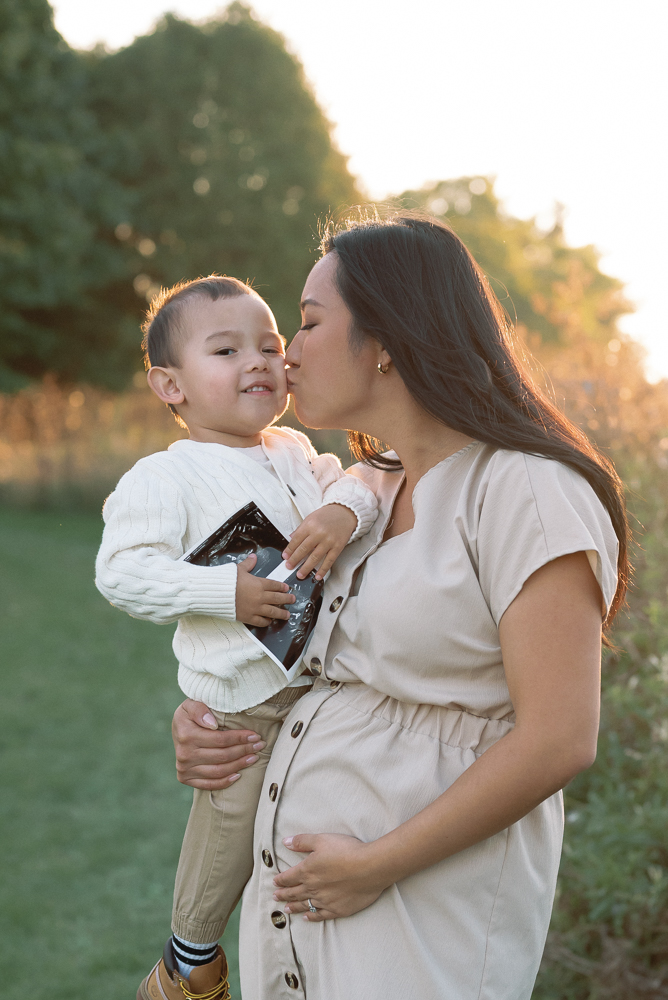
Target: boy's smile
{"points": [[230, 383], [263, 387]]}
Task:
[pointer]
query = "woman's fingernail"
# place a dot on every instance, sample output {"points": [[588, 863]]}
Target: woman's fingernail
{"points": [[275, 896], [209, 720], [287, 910], [254, 736], [288, 841], [259, 746], [232, 778], [251, 760], [305, 917]]}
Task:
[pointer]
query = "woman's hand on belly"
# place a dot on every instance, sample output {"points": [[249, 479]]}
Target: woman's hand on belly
{"points": [[336, 876]]}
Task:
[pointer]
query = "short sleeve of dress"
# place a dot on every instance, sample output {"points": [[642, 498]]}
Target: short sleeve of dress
{"points": [[533, 510]]}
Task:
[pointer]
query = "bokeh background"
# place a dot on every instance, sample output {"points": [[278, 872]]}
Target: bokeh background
{"points": [[203, 146]]}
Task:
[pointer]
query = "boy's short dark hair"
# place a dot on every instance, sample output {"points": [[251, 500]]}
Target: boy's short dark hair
{"points": [[161, 326]]}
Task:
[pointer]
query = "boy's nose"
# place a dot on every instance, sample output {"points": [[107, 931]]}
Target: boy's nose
{"points": [[258, 363]]}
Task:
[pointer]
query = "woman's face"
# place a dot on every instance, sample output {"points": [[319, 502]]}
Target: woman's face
{"points": [[331, 381]]}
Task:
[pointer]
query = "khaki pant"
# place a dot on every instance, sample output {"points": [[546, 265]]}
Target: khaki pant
{"points": [[217, 854]]}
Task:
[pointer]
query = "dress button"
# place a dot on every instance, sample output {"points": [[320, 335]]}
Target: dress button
{"points": [[273, 791], [316, 665], [279, 919], [267, 858], [336, 604], [292, 980], [334, 685], [296, 729]]}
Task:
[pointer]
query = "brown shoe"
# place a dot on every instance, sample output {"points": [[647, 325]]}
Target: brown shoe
{"points": [[207, 982]]}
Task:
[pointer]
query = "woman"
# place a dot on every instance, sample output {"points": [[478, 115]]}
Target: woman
{"points": [[412, 818]]}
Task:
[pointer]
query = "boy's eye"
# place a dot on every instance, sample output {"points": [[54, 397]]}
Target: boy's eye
{"points": [[306, 327], [271, 350], [224, 351]]}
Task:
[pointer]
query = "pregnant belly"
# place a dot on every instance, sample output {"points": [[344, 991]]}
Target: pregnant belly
{"points": [[471, 926], [367, 763]]}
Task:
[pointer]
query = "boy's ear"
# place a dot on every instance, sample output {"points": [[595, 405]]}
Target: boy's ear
{"points": [[164, 385]]}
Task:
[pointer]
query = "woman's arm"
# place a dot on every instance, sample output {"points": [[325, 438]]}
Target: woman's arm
{"points": [[551, 644], [208, 757]]}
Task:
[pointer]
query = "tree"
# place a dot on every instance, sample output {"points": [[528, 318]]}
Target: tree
{"points": [[227, 156], [564, 310], [195, 149], [55, 196], [539, 279]]}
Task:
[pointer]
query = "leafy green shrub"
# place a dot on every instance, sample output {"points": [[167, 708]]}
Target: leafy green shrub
{"points": [[610, 927]]}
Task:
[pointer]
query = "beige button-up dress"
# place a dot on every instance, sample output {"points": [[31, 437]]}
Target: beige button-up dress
{"points": [[411, 691]]}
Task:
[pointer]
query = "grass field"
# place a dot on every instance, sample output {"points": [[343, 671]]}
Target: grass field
{"points": [[91, 813]]}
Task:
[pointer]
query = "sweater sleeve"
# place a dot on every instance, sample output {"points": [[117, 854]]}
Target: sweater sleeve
{"points": [[139, 567], [349, 491]]}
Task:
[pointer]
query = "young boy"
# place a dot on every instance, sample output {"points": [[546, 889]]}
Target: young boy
{"points": [[217, 359]]}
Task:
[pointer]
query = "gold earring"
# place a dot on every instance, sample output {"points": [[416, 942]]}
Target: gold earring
{"points": [[385, 370]]}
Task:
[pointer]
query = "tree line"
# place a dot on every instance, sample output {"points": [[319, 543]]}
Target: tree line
{"points": [[195, 149], [201, 148]]}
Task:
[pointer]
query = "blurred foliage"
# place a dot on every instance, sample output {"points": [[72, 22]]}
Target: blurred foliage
{"points": [[609, 937], [65, 449], [201, 148], [56, 196], [535, 274], [226, 152], [195, 149]]}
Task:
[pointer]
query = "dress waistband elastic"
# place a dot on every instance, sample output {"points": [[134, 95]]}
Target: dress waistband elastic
{"points": [[451, 726]]}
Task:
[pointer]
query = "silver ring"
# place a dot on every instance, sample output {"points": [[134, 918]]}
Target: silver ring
{"points": [[311, 907]]}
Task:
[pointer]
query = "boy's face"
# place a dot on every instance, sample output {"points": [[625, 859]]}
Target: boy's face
{"points": [[231, 381]]}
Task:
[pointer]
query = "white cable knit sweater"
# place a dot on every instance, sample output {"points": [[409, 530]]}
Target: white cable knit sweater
{"points": [[172, 500]]}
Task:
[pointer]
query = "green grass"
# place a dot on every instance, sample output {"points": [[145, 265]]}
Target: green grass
{"points": [[91, 814]]}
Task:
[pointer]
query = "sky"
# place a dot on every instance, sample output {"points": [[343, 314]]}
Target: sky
{"points": [[562, 102]]}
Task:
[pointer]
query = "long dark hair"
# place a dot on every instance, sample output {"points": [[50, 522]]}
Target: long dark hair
{"points": [[410, 283]]}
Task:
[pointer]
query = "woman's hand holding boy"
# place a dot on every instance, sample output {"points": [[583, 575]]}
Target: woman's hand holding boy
{"points": [[208, 757]]}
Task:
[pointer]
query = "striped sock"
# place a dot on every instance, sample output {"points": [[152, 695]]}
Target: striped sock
{"points": [[189, 955]]}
